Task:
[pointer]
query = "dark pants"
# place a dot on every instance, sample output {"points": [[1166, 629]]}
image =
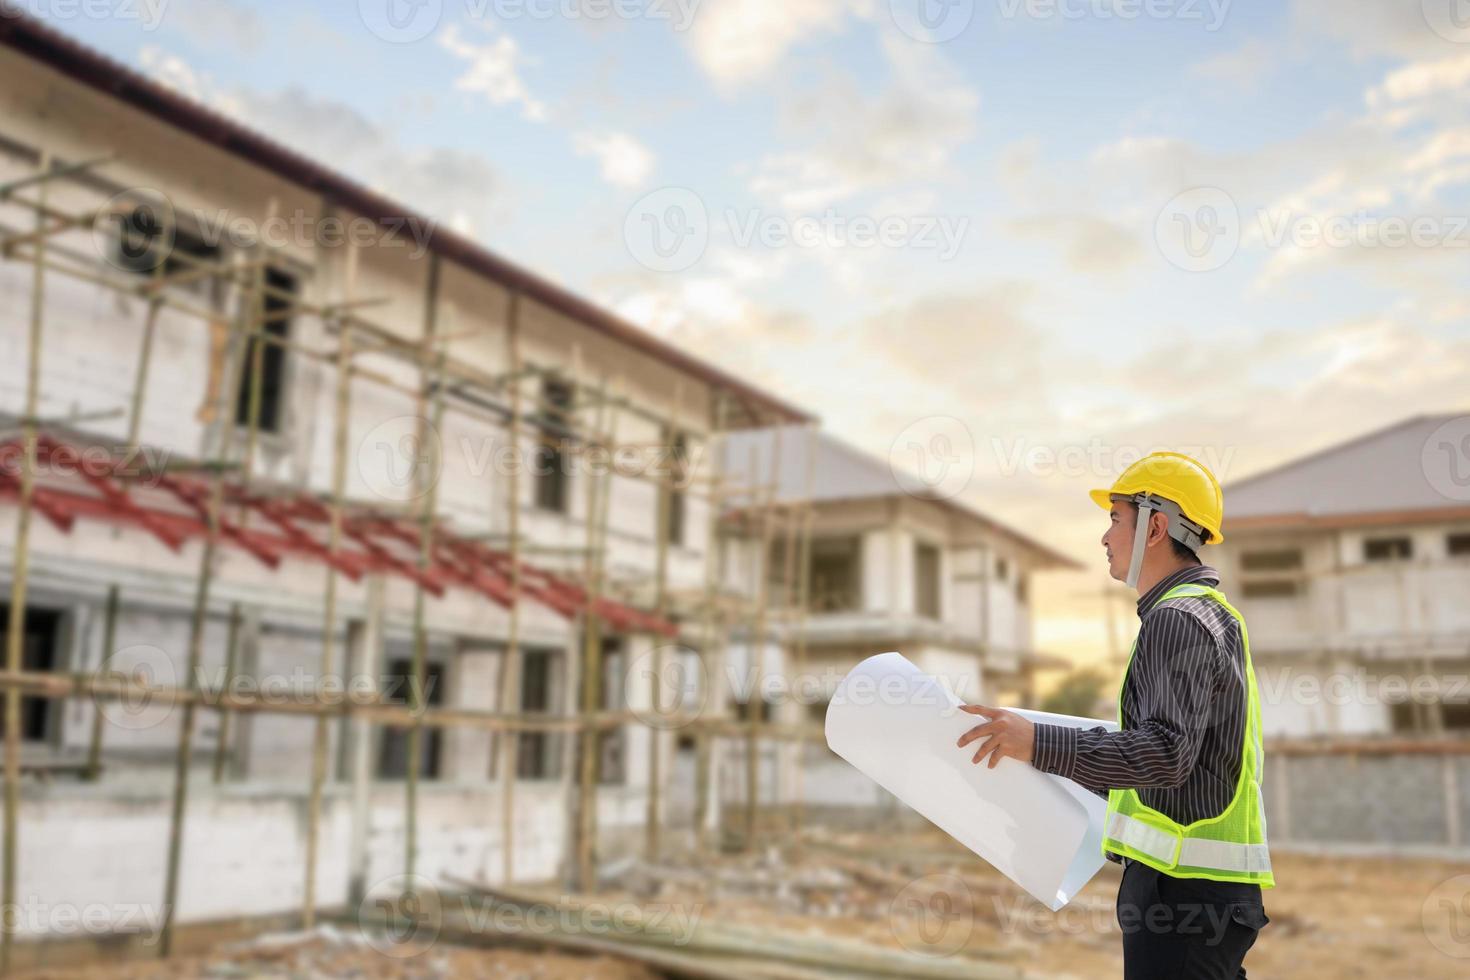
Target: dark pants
{"points": [[1185, 927]]}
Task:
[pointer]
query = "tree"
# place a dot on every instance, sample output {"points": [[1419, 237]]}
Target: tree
{"points": [[1077, 694]]}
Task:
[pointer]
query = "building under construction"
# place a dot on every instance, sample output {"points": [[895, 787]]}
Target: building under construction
{"points": [[349, 553]]}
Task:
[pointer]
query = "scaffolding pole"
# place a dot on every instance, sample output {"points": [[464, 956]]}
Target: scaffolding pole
{"points": [[15, 638], [511, 665]]}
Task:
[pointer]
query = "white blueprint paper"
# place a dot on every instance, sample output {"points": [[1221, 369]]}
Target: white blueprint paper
{"points": [[899, 726]]}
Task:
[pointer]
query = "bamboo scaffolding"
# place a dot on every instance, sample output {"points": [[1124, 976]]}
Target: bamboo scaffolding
{"points": [[15, 637], [445, 383], [511, 663], [426, 484], [342, 426]]}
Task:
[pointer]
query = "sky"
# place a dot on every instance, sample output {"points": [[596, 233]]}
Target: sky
{"points": [[1008, 244]]}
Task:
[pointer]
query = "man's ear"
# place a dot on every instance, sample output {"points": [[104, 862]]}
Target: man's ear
{"points": [[1158, 527]]}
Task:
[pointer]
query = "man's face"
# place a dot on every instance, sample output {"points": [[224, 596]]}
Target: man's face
{"points": [[1117, 541]]}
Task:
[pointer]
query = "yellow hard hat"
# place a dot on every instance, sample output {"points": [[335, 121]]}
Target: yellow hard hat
{"points": [[1176, 477]]}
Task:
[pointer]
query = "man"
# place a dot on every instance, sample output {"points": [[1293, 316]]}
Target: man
{"points": [[1183, 774]]}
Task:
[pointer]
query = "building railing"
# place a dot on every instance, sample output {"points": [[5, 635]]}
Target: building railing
{"points": [[1393, 606]]}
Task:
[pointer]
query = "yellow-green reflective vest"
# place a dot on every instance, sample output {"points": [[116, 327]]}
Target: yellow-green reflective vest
{"points": [[1228, 847]]}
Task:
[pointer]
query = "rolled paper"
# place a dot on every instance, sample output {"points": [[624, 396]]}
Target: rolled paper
{"points": [[898, 726]]}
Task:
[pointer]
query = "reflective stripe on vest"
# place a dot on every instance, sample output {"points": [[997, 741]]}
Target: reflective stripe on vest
{"points": [[1175, 850]]}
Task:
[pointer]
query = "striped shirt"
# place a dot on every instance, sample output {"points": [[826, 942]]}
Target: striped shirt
{"points": [[1184, 711]]}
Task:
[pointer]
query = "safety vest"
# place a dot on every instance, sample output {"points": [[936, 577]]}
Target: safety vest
{"points": [[1228, 847]]}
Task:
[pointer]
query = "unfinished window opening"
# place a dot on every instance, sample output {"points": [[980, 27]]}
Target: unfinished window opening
{"points": [[1271, 588], [277, 326], [40, 651], [393, 752], [553, 419], [836, 574], [1458, 544], [926, 580], [1275, 560], [612, 744], [538, 754], [1398, 548], [678, 464]]}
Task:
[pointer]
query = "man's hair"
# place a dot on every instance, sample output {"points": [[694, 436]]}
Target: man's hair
{"points": [[1175, 545]]}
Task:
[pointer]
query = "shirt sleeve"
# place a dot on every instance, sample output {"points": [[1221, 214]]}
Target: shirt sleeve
{"points": [[1174, 672]]}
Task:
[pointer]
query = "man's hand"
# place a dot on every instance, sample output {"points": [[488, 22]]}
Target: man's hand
{"points": [[1005, 734]]}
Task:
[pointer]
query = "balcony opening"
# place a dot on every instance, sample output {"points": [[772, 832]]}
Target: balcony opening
{"points": [[836, 574], [1399, 548], [1277, 560]]}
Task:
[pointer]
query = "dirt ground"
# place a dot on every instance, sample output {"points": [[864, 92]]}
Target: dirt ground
{"points": [[328, 958], [921, 893]]}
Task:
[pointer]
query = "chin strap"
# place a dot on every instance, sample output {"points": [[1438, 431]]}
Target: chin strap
{"points": [[1181, 529], [1140, 537]]}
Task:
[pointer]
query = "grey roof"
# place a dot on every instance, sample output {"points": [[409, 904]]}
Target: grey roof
{"points": [[1387, 471], [817, 465]]}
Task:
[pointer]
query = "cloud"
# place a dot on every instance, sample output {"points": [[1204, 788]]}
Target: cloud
{"points": [[449, 184], [850, 142], [625, 162], [1375, 28], [1242, 69], [210, 21], [740, 41], [1091, 244], [494, 71]]}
